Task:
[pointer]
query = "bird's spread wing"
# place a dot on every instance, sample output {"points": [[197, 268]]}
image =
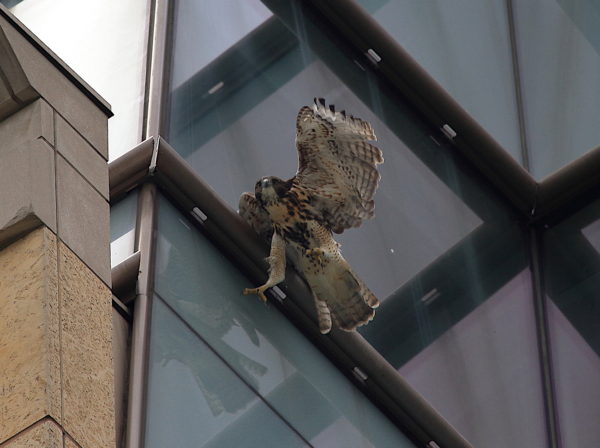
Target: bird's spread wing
{"points": [[337, 167], [255, 215]]}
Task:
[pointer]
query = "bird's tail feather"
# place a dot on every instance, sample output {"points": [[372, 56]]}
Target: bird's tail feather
{"points": [[355, 305]]}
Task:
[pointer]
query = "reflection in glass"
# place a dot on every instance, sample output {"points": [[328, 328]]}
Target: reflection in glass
{"points": [[572, 280], [487, 361], [122, 228], [196, 400], [263, 349], [200, 16], [559, 51], [465, 46], [235, 136]]}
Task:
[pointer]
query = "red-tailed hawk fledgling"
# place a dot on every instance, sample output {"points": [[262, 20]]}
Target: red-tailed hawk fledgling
{"points": [[332, 191]]}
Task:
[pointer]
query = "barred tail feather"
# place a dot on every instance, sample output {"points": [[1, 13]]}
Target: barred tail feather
{"points": [[349, 301]]}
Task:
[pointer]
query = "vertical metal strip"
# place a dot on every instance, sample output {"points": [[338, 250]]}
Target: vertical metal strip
{"points": [[543, 340], [146, 215], [140, 332], [160, 18], [512, 32]]}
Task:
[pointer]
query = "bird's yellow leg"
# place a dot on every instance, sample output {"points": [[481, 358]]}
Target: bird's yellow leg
{"points": [[276, 261], [260, 292]]}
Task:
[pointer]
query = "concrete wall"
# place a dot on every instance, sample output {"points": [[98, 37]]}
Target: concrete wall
{"points": [[56, 371]]}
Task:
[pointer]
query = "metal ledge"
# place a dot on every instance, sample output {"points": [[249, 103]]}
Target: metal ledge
{"points": [[124, 278], [349, 351], [129, 170]]}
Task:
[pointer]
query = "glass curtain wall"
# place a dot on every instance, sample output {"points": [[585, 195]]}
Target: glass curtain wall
{"points": [[227, 371], [571, 255], [444, 254], [527, 71]]}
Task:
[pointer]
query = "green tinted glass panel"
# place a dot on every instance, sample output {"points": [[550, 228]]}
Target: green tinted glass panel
{"points": [[196, 400], [260, 345]]}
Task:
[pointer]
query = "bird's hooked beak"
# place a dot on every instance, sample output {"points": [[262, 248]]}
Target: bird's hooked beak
{"points": [[262, 184]]}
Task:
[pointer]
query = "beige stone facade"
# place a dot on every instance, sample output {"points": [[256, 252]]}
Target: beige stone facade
{"points": [[55, 345]]}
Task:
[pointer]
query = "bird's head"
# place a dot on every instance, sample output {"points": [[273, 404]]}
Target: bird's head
{"points": [[268, 190]]}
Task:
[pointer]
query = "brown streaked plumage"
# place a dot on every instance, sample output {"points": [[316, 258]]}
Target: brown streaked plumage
{"points": [[332, 191]]}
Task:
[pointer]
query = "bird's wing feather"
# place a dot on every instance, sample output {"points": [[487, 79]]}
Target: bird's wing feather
{"points": [[255, 215], [337, 166]]}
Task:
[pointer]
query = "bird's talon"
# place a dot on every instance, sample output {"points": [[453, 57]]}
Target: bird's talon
{"points": [[258, 291]]}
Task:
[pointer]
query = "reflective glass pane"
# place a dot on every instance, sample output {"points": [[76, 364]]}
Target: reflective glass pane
{"points": [[244, 17], [123, 215], [488, 362], [260, 345], [572, 278], [196, 400], [559, 51], [234, 135], [104, 42], [443, 250], [465, 46]]}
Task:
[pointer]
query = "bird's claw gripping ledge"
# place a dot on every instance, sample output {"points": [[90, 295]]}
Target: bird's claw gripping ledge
{"points": [[260, 292]]}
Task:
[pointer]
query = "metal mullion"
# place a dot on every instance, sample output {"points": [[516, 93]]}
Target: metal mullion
{"points": [[512, 32], [543, 340], [140, 331], [157, 67]]}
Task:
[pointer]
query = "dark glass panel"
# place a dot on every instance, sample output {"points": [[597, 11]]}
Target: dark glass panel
{"points": [[572, 280]]}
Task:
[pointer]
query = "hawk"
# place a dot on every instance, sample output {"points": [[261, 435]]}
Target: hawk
{"points": [[332, 191]]}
